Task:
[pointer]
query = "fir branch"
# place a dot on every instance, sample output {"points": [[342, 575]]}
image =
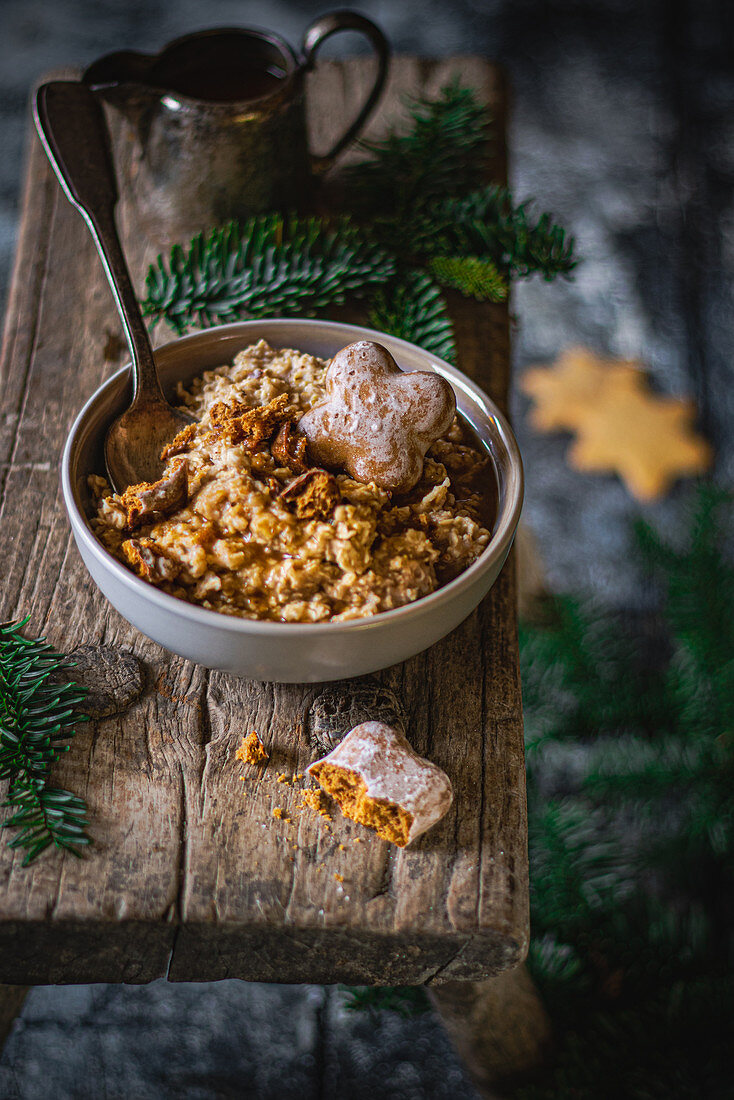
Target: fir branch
{"points": [[406, 1001], [673, 1044], [631, 828], [443, 151], [487, 223], [37, 718], [698, 580], [473, 277], [580, 678], [413, 309], [45, 816], [269, 266]]}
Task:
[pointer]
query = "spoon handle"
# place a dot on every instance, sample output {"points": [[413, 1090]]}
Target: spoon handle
{"points": [[73, 132]]}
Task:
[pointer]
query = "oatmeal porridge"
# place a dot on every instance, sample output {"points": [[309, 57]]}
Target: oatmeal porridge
{"points": [[242, 522]]}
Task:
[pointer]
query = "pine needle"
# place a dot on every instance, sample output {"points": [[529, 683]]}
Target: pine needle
{"points": [[414, 310], [269, 267], [487, 223], [443, 150], [631, 828], [421, 197], [472, 276], [407, 1001], [37, 719]]}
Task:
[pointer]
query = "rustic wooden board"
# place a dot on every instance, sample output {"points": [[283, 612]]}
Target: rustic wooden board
{"points": [[190, 874]]}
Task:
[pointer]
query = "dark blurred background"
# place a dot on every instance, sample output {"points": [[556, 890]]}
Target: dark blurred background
{"points": [[623, 126]]}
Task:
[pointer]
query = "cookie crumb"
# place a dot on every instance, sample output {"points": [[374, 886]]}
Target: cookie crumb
{"points": [[252, 750], [315, 799]]}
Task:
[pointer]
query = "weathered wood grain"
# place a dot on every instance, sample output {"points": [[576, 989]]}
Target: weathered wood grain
{"points": [[190, 874]]}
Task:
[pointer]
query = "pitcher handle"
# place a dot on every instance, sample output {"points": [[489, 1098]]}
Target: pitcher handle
{"points": [[317, 33]]}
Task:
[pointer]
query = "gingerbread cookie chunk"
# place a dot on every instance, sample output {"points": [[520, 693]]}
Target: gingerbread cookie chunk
{"points": [[378, 779], [377, 421]]}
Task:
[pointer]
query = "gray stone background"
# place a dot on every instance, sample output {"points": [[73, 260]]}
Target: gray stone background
{"points": [[623, 126]]}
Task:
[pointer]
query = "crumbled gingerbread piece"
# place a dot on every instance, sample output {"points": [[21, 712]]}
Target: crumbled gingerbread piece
{"points": [[255, 426], [315, 799], [463, 463], [289, 448], [252, 750], [221, 411], [316, 494], [149, 501], [150, 561], [180, 443]]}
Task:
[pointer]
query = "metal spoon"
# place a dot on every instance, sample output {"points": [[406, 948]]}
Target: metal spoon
{"points": [[73, 131]]}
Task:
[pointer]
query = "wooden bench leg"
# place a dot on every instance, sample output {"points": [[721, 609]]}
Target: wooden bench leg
{"points": [[499, 1027], [11, 1002]]}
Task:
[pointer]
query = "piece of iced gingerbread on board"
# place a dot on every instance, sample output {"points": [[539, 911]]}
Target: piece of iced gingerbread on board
{"points": [[377, 422], [377, 778]]}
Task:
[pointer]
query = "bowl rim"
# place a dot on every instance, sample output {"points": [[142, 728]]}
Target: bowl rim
{"points": [[498, 546]]}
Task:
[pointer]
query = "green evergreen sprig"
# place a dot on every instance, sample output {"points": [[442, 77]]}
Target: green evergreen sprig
{"points": [[270, 266], [38, 714], [405, 1000], [423, 208], [631, 829], [488, 224], [414, 309], [473, 276], [441, 149]]}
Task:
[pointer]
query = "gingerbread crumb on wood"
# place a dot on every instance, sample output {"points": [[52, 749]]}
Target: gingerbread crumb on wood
{"points": [[252, 750], [315, 799]]}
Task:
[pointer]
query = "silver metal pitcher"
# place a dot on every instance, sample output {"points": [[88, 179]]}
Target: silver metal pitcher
{"points": [[214, 126]]}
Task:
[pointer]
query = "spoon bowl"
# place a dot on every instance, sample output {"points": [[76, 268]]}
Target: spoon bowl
{"points": [[134, 441]]}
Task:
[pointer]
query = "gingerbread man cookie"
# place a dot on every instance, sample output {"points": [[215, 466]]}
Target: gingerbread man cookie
{"points": [[377, 422]]}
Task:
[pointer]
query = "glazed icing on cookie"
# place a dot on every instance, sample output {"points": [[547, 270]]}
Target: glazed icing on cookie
{"points": [[377, 421]]}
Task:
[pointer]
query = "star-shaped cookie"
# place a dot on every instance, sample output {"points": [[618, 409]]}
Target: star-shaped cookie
{"points": [[564, 392], [377, 422], [620, 425], [649, 441]]}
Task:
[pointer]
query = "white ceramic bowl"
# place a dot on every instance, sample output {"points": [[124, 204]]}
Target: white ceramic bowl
{"points": [[287, 652]]}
